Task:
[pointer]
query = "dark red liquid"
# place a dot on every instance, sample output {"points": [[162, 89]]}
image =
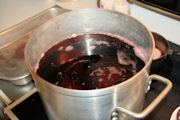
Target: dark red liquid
{"points": [[89, 61]]}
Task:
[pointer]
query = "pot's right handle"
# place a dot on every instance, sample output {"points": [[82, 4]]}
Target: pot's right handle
{"points": [[149, 108]]}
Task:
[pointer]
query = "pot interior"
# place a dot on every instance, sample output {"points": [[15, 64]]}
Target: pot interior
{"points": [[88, 21]]}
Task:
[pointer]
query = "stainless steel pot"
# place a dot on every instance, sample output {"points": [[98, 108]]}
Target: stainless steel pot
{"points": [[100, 104]]}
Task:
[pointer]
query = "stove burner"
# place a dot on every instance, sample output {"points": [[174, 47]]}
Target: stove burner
{"points": [[163, 64], [30, 109], [162, 67]]}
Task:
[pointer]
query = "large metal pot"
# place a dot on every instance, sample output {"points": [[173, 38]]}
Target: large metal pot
{"points": [[99, 104]]}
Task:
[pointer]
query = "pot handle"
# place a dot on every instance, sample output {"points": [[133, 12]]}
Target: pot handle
{"points": [[149, 108]]}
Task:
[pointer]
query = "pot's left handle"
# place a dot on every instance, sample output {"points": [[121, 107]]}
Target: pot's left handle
{"points": [[149, 108]]}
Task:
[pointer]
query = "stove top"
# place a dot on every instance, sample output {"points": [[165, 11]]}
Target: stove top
{"points": [[32, 107]]}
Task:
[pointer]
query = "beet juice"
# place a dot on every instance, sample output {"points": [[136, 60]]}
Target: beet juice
{"points": [[89, 61]]}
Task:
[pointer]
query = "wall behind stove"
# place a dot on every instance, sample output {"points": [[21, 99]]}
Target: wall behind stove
{"points": [[167, 27], [13, 12]]}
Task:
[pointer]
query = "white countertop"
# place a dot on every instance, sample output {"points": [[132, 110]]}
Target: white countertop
{"points": [[14, 12]]}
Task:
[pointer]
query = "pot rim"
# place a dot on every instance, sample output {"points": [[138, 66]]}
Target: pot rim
{"points": [[92, 92]]}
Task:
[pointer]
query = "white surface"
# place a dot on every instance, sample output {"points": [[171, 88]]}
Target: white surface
{"points": [[169, 28], [13, 12]]}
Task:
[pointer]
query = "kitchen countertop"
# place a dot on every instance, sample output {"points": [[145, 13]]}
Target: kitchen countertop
{"points": [[12, 13]]}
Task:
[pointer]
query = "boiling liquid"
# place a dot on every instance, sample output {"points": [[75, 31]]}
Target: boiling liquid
{"points": [[89, 61]]}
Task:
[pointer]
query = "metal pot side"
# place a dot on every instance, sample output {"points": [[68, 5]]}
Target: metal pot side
{"points": [[98, 104]]}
